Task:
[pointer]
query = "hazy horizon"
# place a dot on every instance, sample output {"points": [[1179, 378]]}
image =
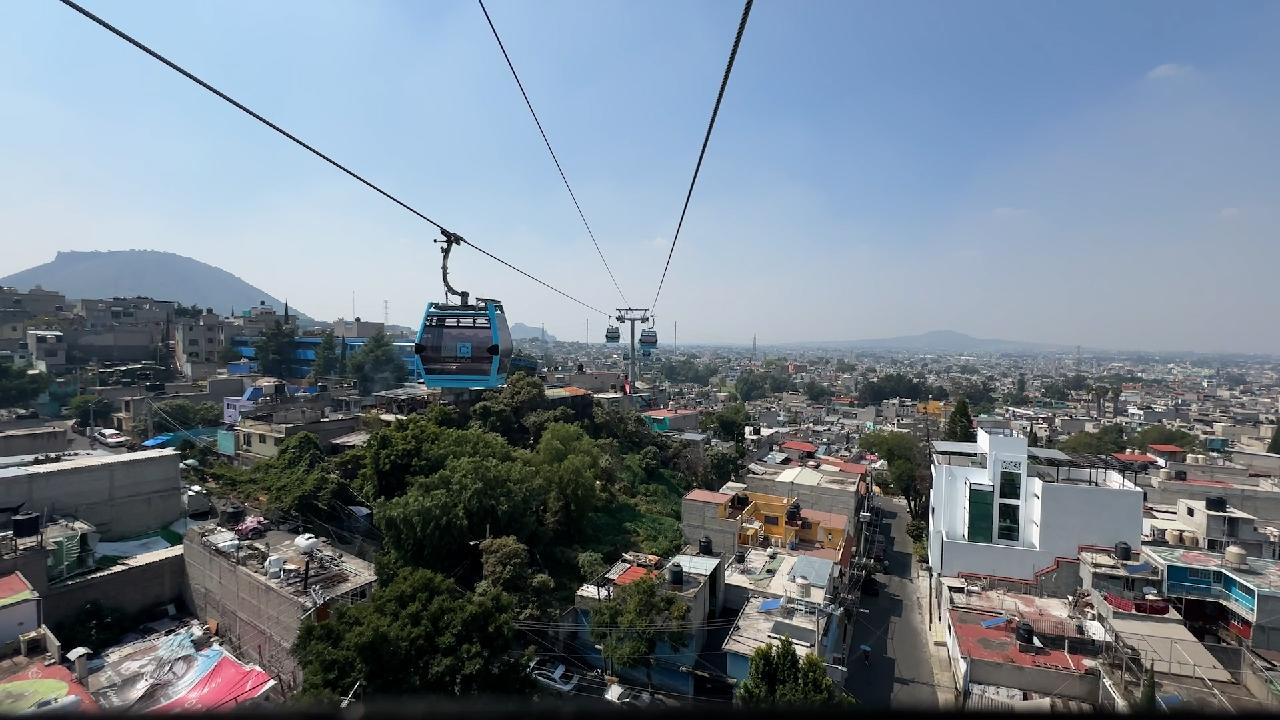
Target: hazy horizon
{"points": [[1090, 173]]}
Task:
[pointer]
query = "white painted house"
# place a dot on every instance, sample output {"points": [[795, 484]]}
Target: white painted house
{"points": [[1000, 508]]}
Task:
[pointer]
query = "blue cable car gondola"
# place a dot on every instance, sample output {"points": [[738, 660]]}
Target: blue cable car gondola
{"points": [[612, 334], [463, 345]]}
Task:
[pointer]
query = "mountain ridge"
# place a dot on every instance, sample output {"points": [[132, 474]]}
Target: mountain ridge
{"points": [[152, 273], [942, 341]]}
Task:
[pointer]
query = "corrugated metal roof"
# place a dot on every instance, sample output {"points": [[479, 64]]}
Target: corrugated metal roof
{"points": [[814, 569], [697, 564]]}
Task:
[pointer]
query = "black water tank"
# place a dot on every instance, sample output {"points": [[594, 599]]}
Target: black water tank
{"points": [[1215, 503], [26, 524], [740, 556], [232, 514], [704, 545], [675, 573], [1024, 633], [793, 512], [1179, 474], [1124, 551]]}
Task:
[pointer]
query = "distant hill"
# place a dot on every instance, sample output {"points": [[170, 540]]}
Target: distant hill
{"points": [[520, 331], [126, 273], [944, 341]]}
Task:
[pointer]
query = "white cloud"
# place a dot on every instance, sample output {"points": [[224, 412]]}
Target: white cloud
{"points": [[1230, 213], [1168, 70]]}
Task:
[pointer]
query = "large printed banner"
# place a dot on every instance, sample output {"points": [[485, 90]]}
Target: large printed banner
{"points": [[226, 685]]}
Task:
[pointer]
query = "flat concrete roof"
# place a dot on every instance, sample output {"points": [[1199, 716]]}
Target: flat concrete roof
{"points": [[757, 628], [91, 461], [1169, 647]]}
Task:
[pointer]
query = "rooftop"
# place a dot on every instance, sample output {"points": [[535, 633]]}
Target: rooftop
{"points": [[776, 576], [1165, 448], [707, 496], [985, 635], [758, 626], [817, 478], [15, 588], [1261, 574], [800, 446], [85, 461], [330, 572]]}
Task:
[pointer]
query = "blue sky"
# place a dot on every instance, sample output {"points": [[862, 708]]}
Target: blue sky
{"points": [[1094, 173]]}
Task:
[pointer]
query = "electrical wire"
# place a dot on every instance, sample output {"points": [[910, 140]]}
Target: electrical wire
{"points": [[724, 83], [303, 144], [554, 159]]}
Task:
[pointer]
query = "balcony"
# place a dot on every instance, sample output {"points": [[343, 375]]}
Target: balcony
{"points": [[1208, 592]]}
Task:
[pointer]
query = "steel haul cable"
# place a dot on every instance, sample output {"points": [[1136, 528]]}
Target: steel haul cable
{"points": [[724, 83], [301, 143], [554, 159]]}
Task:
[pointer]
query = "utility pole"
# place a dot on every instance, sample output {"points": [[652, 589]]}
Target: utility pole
{"points": [[386, 313], [675, 335]]}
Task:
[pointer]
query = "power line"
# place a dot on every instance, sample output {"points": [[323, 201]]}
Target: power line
{"points": [[554, 159], [303, 144], [724, 83]]}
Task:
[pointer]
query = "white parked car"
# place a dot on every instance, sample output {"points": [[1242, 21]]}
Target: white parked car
{"points": [[632, 697], [111, 438], [553, 675]]}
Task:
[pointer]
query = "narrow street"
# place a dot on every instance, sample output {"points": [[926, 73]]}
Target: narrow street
{"points": [[900, 675]]}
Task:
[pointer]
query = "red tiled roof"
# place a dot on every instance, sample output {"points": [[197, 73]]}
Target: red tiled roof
{"points": [[708, 496], [668, 413], [632, 574], [998, 644], [1133, 457], [1166, 448], [801, 446], [12, 584]]}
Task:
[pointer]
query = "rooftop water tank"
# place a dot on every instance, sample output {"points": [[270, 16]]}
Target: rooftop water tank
{"points": [[306, 542], [675, 573], [1024, 633], [274, 565], [1166, 474], [1215, 503], [1124, 551], [1236, 557], [793, 511], [802, 587], [26, 524], [1173, 536], [740, 556], [704, 545], [1190, 539]]}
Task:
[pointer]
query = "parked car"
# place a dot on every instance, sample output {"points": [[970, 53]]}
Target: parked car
{"points": [[111, 438], [28, 414], [553, 675], [632, 697]]}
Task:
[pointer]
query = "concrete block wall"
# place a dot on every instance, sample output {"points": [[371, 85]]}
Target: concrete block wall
{"points": [[122, 496], [258, 622], [137, 584], [33, 441]]}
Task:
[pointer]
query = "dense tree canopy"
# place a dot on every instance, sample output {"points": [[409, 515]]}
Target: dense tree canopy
{"points": [[1108, 439], [169, 415], [419, 635], [377, 366], [19, 387], [816, 391], [889, 386], [755, 384], [729, 423], [779, 677], [641, 616], [688, 370], [1165, 435], [908, 474]]}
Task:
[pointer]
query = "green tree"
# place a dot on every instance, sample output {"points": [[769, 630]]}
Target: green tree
{"points": [[1108, 439], [419, 635], [569, 467], [505, 563], [326, 363], [960, 424], [722, 466], [816, 391], [908, 475], [1054, 391], [728, 424], [273, 350], [19, 387], [1021, 386], [889, 386], [82, 406], [170, 415], [1165, 435], [377, 366], [639, 618], [779, 678]]}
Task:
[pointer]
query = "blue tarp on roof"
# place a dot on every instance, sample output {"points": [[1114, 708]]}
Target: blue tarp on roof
{"points": [[157, 440], [1138, 569], [994, 622], [771, 604]]}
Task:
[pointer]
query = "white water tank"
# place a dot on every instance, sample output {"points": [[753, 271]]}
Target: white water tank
{"points": [[802, 587], [273, 565], [1190, 539], [1173, 536], [1236, 557], [306, 542], [1166, 474]]}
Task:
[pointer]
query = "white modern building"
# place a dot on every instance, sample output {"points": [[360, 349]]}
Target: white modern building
{"points": [[999, 508]]}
